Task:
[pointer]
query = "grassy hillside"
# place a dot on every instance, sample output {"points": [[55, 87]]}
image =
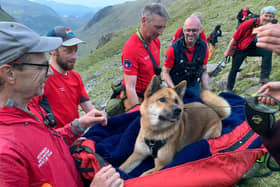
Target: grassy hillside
{"points": [[112, 19], [103, 65], [213, 11], [4, 16]]}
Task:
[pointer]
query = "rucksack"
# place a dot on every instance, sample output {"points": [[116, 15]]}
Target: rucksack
{"points": [[234, 47], [114, 107], [87, 161], [115, 104]]}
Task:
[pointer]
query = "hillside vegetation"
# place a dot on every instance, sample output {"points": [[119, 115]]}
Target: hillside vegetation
{"points": [[4, 16], [112, 19], [103, 65]]}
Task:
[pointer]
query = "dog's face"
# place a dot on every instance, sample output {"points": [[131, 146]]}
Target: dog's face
{"points": [[162, 107]]}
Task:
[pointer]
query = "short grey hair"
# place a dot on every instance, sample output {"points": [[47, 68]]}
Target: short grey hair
{"points": [[269, 9], [155, 8]]}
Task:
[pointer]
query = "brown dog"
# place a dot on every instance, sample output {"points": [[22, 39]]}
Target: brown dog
{"points": [[167, 125]]}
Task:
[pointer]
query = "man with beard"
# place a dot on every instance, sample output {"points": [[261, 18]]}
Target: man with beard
{"points": [[141, 53], [65, 91], [32, 153], [186, 59]]}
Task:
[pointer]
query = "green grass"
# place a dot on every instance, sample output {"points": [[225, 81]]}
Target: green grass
{"points": [[214, 12], [4, 16]]}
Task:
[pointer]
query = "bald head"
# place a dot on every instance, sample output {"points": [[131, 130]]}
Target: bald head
{"points": [[191, 30], [192, 21]]}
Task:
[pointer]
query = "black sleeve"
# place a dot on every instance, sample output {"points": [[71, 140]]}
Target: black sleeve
{"points": [[239, 16], [219, 32], [249, 12], [83, 99]]}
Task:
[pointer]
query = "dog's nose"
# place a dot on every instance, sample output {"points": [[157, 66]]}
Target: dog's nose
{"points": [[177, 110]]}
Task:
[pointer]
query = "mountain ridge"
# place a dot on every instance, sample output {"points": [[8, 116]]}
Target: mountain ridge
{"points": [[4, 16], [42, 18], [115, 18]]}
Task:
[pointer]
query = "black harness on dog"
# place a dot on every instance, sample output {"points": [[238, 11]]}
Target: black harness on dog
{"points": [[155, 145], [260, 117]]}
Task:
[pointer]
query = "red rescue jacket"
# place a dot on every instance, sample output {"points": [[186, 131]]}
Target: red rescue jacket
{"points": [[32, 154]]}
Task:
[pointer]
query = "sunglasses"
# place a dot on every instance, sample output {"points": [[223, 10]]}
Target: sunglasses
{"points": [[46, 65], [191, 30]]}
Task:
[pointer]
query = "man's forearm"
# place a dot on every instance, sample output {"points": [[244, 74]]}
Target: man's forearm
{"points": [[167, 78], [87, 106], [205, 80], [132, 97], [230, 45]]}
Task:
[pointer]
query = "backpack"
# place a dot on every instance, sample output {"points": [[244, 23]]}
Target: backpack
{"points": [[115, 105], [87, 161], [234, 47]]}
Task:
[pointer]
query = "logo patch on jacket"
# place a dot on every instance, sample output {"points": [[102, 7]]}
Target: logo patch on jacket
{"points": [[127, 64], [43, 156]]}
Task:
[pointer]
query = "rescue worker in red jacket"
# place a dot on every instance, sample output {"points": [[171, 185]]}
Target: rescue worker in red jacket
{"points": [[141, 53], [245, 41], [243, 14], [31, 152], [186, 59]]}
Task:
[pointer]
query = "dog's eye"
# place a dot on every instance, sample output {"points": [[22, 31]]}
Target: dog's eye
{"points": [[176, 101], [163, 99]]}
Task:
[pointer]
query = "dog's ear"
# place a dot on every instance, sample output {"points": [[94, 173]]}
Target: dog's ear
{"points": [[153, 86], [181, 88]]}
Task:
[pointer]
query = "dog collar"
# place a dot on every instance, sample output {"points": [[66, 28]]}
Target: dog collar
{"points": [[155, 145]]}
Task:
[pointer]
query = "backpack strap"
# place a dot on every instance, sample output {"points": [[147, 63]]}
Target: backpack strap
{"points": [[156, 68], [86, 146], [251, 29]]}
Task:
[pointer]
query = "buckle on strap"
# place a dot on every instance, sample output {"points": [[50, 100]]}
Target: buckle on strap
{"points": [[261, 117], [155, 145]]}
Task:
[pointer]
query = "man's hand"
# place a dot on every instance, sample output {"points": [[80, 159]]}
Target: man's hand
{"points": [[92, 117], [272, 89], [107, 177], [269, 37]]}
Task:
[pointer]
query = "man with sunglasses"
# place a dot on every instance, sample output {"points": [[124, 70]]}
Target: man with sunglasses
{"points": [[65, 91], [179, 32], [186, 59], [32, 153]]}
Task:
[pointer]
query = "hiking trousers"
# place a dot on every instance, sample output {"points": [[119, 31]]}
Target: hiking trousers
{"points": [[240, 55], [212, 51]]}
